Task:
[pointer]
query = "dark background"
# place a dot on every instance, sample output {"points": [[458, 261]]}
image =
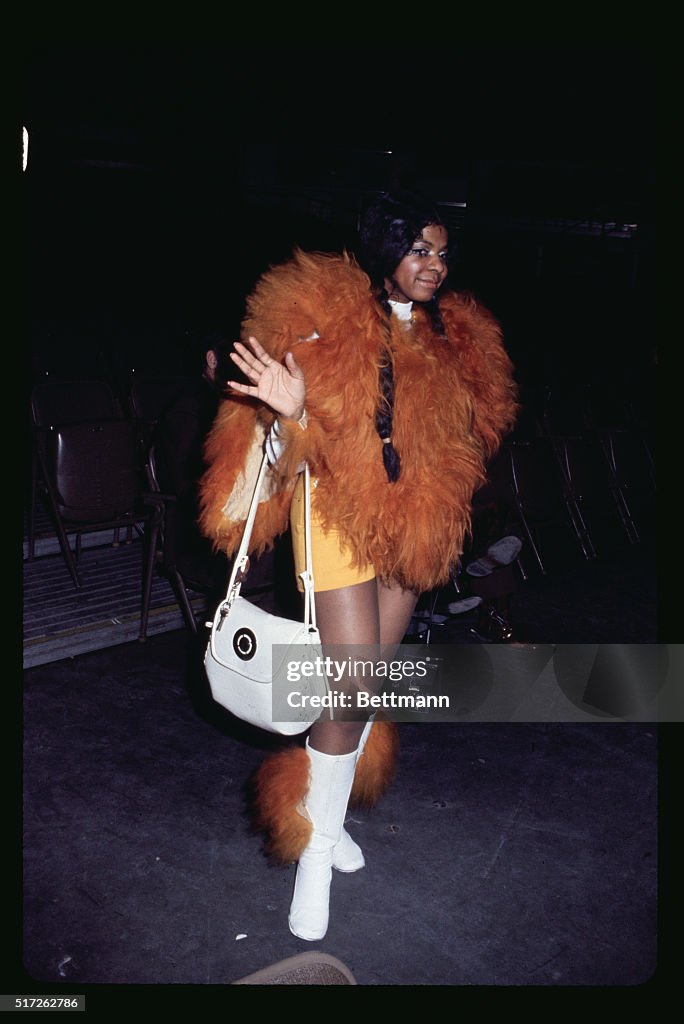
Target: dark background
{"points": [[163, 178]]}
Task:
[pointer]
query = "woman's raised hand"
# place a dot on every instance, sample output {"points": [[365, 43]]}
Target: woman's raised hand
{"points": [[279, 385]]}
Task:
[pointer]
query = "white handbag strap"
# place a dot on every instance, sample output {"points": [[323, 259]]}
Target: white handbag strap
{"points": [[238, 573], [307, 575]]}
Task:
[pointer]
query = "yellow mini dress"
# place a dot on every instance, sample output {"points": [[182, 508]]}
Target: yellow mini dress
{"points": [[330, 557]]}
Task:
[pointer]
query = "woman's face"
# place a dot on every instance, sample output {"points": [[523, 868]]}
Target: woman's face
{"points": [[423, 268]]}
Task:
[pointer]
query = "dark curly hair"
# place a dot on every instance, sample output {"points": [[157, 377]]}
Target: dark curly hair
{"points": [[389, 228]]}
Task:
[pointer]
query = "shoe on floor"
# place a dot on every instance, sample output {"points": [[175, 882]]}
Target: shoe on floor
{"points": [[502, 552], [505, 551], [466, 604]]}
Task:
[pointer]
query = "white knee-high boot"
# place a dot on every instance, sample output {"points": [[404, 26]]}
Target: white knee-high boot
{"points": [[331, 779], [348, 855]]}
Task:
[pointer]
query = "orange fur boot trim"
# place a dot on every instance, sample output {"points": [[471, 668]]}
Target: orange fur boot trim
{"points": [[376, 767], [279, 787]]}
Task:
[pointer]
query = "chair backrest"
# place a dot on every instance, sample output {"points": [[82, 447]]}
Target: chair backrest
{"points": [[590, 485], [630, 459], [584, 469], [150, 396], [71, 401], [567, 409], [147, 398], [634, 472], [536, 478], [96, 470], [543, 504]]}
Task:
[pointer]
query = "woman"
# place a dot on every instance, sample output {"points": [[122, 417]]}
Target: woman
{"points": [[396, 392]]}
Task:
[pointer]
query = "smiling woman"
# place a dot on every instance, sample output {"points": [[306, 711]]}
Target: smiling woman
{"points": [[420, 273], [395, 391]]}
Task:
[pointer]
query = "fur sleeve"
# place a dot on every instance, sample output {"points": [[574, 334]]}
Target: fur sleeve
{"points": [[485, 367], [233, 452], [311, 306], [306, 306]]}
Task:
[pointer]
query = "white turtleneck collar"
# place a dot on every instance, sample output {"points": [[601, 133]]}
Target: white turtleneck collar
{"points": [[402, 310]]}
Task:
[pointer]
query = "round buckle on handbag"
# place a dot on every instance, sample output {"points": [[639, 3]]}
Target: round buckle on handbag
{"points": [[244, 643]]}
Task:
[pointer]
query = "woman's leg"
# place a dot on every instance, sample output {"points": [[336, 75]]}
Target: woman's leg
{"points": [[368, 614], [395, 608], [373, 614], [346, 616]]}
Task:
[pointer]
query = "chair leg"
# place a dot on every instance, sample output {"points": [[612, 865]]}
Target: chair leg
{"points": [[61, 532], [530, 537], [32, 510], [521, 569], [184, 602], [625, 513], [149, 551], [453, 576], [580, 527]]}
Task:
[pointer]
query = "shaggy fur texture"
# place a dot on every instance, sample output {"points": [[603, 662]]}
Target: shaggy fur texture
{"points": [[279, 787], [281, 782], [376, 767], [454, 399]]}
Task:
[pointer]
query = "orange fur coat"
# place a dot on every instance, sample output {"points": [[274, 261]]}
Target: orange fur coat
{"points": [[454, 399]]}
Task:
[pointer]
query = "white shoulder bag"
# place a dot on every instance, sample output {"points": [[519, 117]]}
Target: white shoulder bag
{"points": [[254, 660]]}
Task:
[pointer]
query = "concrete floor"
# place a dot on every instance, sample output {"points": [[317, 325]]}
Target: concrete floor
{"points": [[505, 854]]}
